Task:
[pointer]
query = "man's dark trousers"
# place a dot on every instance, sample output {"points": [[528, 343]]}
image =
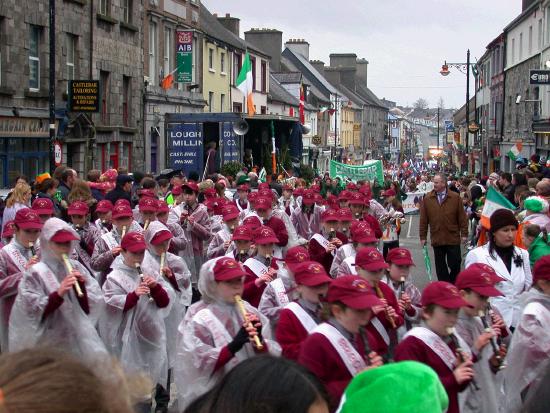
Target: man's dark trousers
{"points": [[447, 262]]}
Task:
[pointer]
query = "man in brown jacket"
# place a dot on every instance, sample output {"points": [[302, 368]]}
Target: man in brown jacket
{"points": [[443, 211]]}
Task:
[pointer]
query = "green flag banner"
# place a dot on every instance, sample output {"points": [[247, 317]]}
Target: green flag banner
{"points": [[370, 171]]}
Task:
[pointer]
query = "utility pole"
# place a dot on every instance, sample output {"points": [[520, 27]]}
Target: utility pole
{"points": [[438, 130], [335, 124], [52, 86], [467, 110]]}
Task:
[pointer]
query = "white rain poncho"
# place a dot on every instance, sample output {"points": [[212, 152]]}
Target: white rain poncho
{"points": [[209, 325], [529, 350], [179, 299], [68, 327], [136, 336]]}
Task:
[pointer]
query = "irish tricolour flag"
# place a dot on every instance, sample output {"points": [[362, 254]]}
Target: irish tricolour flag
{"points": [[244, 84], [514, 152], [494, 200]]}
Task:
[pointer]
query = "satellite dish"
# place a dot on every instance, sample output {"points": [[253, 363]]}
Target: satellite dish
{"points": [[240, 127]]}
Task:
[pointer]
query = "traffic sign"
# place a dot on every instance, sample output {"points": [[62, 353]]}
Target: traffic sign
{"points": [[58, 153], [539, 77]]}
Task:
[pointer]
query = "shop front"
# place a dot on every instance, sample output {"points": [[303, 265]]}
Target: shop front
{"points": [[24, 148]]}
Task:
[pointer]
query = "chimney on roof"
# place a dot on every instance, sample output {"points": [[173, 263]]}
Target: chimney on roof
{"points": [[318, 65], [299, 46], [343, 59], [230, 23], [270, 41], [362, 71]]}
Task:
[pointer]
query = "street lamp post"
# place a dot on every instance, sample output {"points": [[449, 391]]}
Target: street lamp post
{"points": [[464, 68]]}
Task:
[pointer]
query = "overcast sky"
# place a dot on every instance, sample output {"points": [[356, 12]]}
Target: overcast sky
{"points": [[405, 41]]}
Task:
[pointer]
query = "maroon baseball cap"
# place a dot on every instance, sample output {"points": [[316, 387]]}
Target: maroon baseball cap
{"points": [[353, 291], [162, 207], [27, 218], [63, 236], [296, 256], [263, 185], [242, 233], [243, 187], [364, 236], [357, 226], [495, 278], [230, 212], [190, 186], [133, 242], [43, 206], [176, 191], [370, 259], [399, 256], [122, 201], [262, 203], [389, 192], [329, 215], [316, 188], [351, 187], [147, 204], [344, 214], [253, 222], [344, 195], [148, 193], [9, 229], [104, 206], [122, 211], [252, 197], [227, 269], [209, 193], [443, 294], [310, 274], [308, 198], [161, 236], [357, 198], [478, 280], [541, 270], [298, 192], [78, 208], [265, 235]]}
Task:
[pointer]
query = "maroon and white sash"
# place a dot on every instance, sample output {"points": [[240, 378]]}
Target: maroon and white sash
{"points": [[380, 329], [350, 261], [307, 321], [351, 358], [280, 292], [256, 267], [16, 256], [438, 346], [110, 240]]}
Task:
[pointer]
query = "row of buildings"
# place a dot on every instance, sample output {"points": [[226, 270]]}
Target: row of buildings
{"points": [[506, 107], [130, 47]]}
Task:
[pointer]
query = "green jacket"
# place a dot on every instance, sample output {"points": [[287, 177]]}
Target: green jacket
{"points": [[538, 249]]}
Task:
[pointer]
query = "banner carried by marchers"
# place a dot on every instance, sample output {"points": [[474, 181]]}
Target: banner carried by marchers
{"points": [[369, 171]]}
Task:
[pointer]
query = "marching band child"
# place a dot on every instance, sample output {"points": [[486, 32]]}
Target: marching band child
{"points": [[338, 349], [306, 219], [132, 326], [108, 245], [221, 244], [299, 318], [264, 209], [242, 201], [287, 202], [370, 266], [476, 285], [89, 234], [345, 219], [262, 268], [179, 244], [435, 342], [282, 290], [58, 301], [147, 211], [362, 237], [408, 296], [530, 346], [103, 211], [322, 247], [44, 208], [214, 336], [15, 259]]}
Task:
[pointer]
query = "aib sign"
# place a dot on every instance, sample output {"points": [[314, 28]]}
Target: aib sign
{"points": [[185, 147]]}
